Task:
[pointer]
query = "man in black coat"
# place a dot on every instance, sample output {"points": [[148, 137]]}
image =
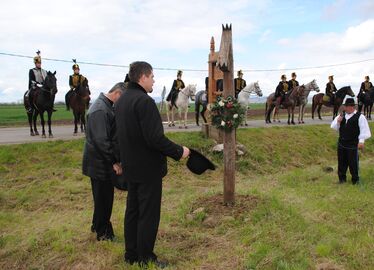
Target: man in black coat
{"points": [[101, 160], [143, 148]]}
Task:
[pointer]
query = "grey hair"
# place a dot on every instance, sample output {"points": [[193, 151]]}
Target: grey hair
{"points": [[118, 86]]}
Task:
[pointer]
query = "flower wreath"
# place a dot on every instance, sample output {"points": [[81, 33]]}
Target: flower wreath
{"points": [[227, 114]]}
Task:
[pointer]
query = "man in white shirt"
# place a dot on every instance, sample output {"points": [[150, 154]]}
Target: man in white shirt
{"points": [[353, 131]]}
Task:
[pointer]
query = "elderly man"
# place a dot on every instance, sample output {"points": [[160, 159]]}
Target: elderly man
{"points": [[353, 131], [101, 159], [144, 149]]}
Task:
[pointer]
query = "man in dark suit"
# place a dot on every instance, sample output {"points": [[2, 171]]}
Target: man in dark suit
{"points": [[143, 149], [101, 159], [353, 131]]}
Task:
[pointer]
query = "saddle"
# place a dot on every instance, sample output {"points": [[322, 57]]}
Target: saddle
{"points": [[326, 98]]}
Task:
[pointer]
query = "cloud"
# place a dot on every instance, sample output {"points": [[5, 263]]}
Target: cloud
{"points": [[333, 10], [359, 38]]}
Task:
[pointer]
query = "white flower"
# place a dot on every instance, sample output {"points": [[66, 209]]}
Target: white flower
{"points": [[223, 123], [235, 116], [221, 103]]}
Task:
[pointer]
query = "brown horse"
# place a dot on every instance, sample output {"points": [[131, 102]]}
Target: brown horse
{"points": [[289, 103], [79, 102], [339, 97]]}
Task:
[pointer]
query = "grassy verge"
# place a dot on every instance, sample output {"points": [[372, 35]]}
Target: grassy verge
{"points": [[290, 214]]}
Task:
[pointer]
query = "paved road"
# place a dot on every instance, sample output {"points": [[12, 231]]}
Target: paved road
{"points": [[18, 135]]}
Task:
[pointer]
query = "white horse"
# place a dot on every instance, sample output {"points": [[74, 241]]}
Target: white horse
{"points": [[301, 101], [243, 97], [181, 102]]}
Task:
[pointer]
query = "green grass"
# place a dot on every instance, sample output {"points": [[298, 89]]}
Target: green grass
{"points": [[289, 214]]}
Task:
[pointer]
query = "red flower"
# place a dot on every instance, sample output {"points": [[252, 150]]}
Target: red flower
{"points": [[229, 105]]}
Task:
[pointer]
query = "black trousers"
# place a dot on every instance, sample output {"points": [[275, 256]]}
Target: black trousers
{"points": [[348, 157], [142, 219], [103, 194]]}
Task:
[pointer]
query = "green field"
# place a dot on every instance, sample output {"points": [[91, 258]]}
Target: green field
{"points": [[290, 213]]}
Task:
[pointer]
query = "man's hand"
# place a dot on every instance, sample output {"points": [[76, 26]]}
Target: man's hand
{"points": [[360, 146], [186, 152], [117, 168], [340, 119]]}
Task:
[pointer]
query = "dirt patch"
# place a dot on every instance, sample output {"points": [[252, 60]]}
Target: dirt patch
{"points": [[213, 205], [328, 266]]}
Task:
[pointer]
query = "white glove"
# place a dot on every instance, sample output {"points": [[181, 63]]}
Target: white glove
{"points": [[39, 85]]}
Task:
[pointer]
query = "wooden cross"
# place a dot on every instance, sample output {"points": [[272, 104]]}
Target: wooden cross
{"points": [[225, 62]]}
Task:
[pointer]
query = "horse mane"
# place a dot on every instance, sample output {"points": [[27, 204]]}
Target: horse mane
{"points": [[342, 90]]}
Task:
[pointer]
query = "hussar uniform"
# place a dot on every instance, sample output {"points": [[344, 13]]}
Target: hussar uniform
{"points": [[331, 89], [366, 85], [36, 80], [293, 82], [74, 81], [178, 84], [239, 83], [281, 90]]}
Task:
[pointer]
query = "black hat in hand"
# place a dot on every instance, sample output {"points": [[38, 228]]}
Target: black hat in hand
{"points": [[198, 163]]}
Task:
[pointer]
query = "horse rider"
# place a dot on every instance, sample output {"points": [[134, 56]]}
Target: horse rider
{"points": [[293, 83], [37, 76], [239, 83], [74, 81], [281, 90], [365, 86], [178, 85], [331, 89]]}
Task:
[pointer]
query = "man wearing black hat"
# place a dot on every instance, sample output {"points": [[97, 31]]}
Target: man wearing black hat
{"points": [[293, 83], [143, 149], [178, 84], [331, 89], [353, 131], [239, 83], [74, 81]]}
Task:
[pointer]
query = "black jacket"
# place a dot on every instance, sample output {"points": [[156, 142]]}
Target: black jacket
{"points": [[143, 145], [101, 148], [282, 88]]}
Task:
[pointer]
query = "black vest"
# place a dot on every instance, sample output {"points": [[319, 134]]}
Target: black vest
{"points": [[349, 131]]}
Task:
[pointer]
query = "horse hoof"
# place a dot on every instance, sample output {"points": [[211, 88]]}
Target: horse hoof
{"points": [[50, 136], [180, 127], [36, 133], [279, 121], [185, 127], [246, 124], [169, 125], [43, 136], [173, 125], [293, 123], [75, 134], [302, 122], [32, 134]]}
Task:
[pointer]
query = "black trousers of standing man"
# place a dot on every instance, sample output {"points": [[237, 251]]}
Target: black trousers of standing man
{"points": [[142, 219], [347, 157], [103, 194]]}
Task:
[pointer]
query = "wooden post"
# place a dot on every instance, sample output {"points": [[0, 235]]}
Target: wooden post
{"points": [[226, 63]]}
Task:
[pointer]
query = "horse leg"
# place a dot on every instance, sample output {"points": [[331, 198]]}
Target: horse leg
{"points": [[289, 115], [172, 117], [293, 115], [83, 122], [34, 118], [179, 118], [302, 114], [29, 117], [203, 114], [319, 111], [245, 119], [43, 123], [75, 123], [50, 124], [185, 118]]}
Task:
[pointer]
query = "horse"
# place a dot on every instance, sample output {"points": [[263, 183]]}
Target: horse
{"points": [[201, 98], [339, 97], [42, 101], [182, 105], [301, 102], [243, 97], [79, 102], [366, 100], [289, 103]]}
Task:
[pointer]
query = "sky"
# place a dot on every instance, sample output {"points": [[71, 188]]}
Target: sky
{"points": [[267, 35]]}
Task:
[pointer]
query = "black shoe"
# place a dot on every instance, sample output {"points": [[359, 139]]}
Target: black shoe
{"points": [[54, 110], [93, 228], [157, 263], [105, 237], [356, 183], [342, 182], [130, 261]]}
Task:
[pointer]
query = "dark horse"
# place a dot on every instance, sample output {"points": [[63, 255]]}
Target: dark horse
{"points": [[339, 97], [79, 102], [289, 103], [42, 101], [201, 98], [366, 100]]}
